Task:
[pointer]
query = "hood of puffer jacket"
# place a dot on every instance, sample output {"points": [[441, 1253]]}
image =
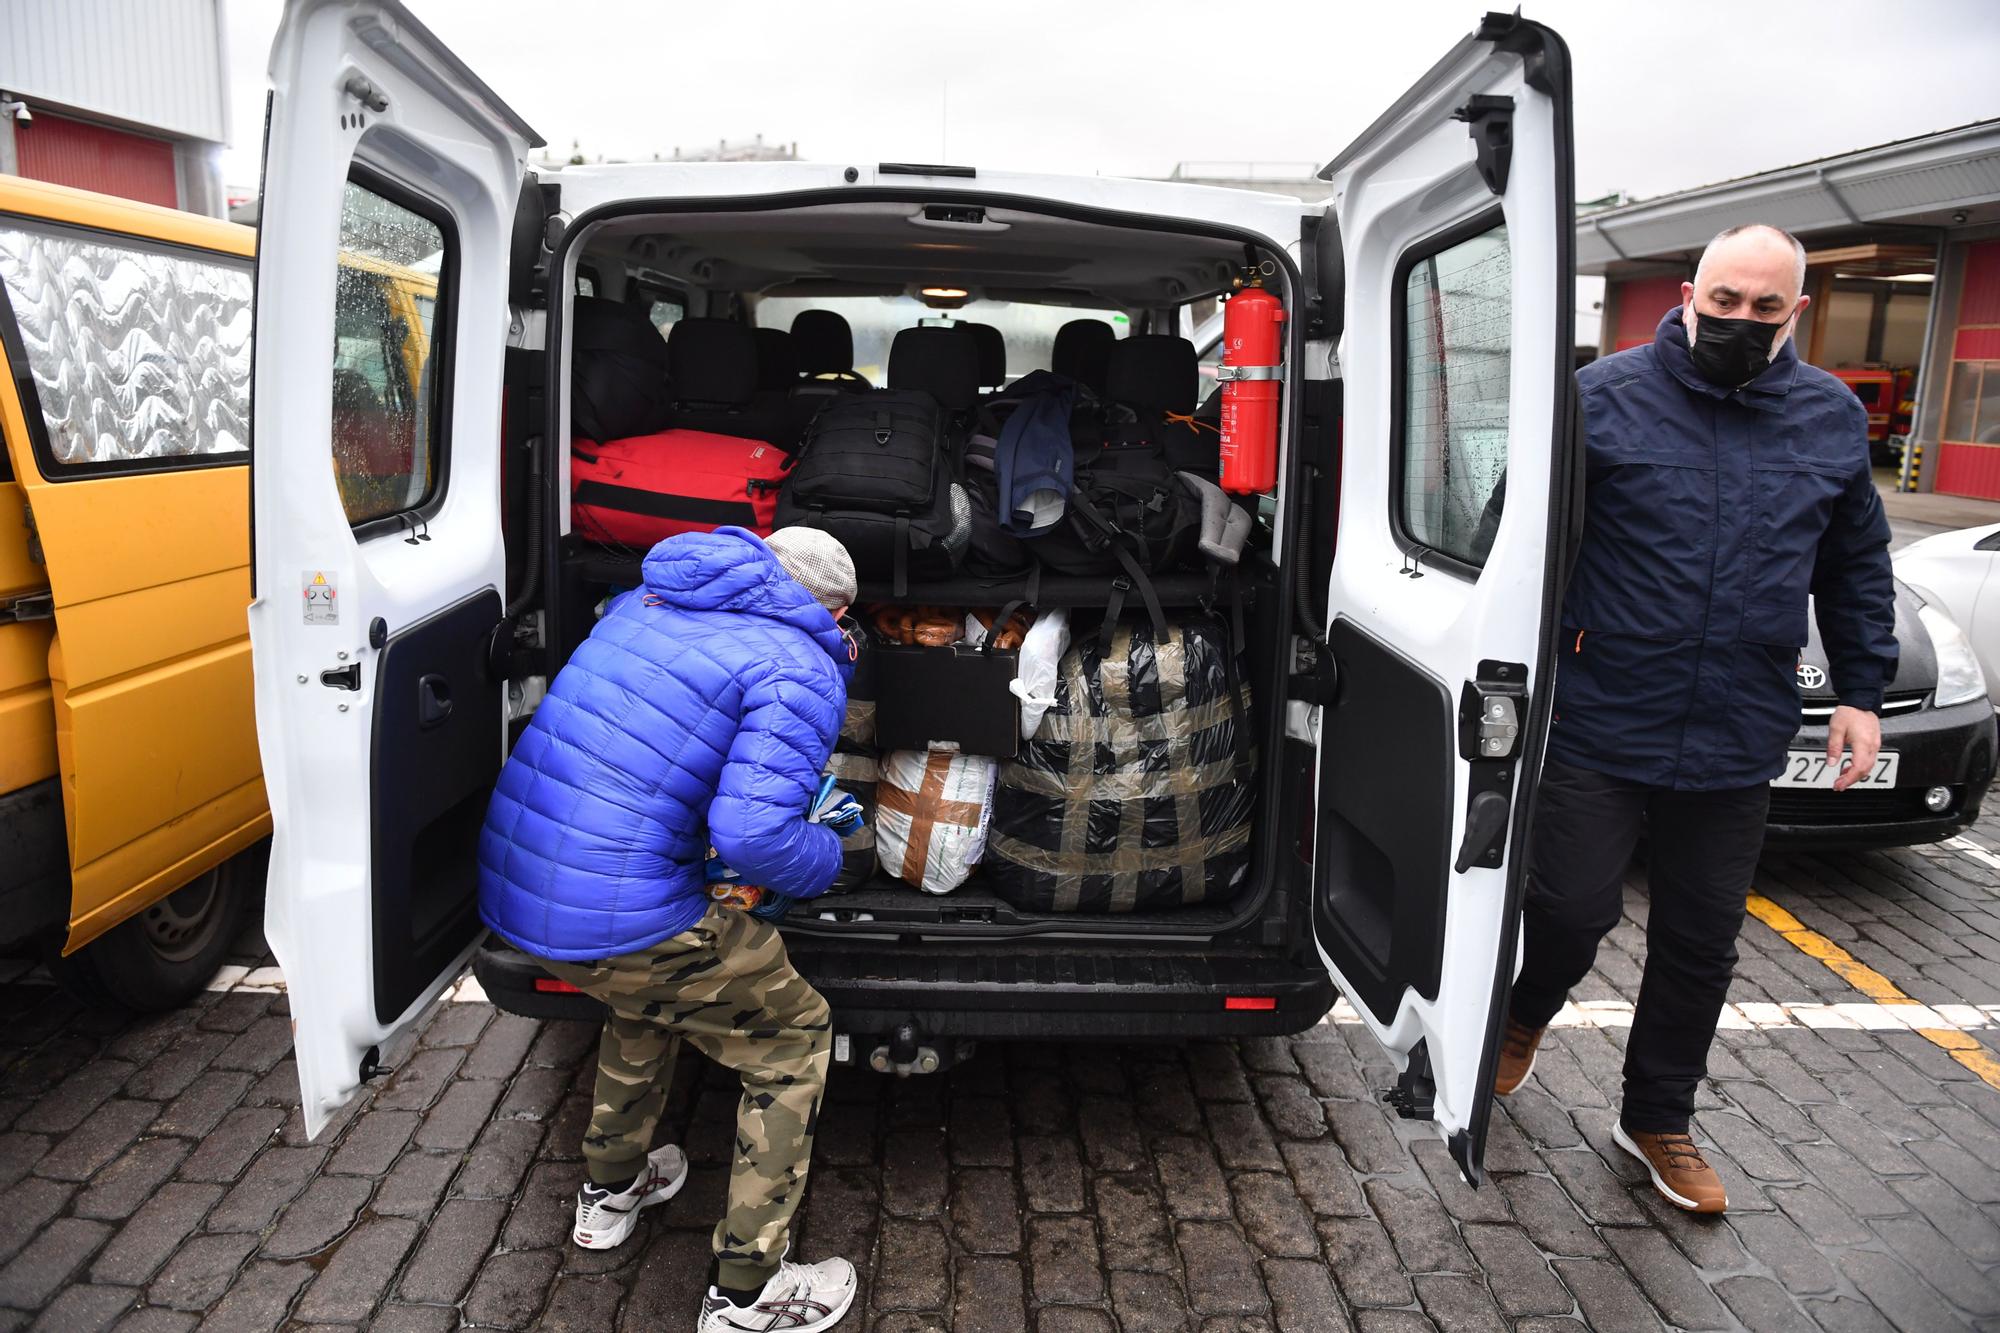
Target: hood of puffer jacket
{"points": [[730, 569]]}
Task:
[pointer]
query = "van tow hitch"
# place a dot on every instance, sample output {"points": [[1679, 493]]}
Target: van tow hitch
{"points": [[903, 1056]]}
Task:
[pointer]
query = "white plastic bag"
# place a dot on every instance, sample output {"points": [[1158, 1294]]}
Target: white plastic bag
{"points": [[1041, 657], [931, 811]]}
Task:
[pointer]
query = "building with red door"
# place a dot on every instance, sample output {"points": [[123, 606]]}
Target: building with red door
{"points": [[1903, 265], [119, 97]]}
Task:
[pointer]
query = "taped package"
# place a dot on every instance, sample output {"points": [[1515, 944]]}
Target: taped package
{"points": [[1136, 791], [932, 808]]}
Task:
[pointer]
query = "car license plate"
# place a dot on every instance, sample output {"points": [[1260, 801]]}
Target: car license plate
{"points": [[1808, 768]]}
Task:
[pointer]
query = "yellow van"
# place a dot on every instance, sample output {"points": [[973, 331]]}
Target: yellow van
{"points": [[132, 809]]}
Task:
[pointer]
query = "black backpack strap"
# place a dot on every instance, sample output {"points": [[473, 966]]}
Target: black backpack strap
{"points": [[1114, 606], [1134, 577], [1000, 622]]}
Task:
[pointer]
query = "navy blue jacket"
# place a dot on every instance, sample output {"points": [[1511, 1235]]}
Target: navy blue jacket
{"points": [[698, 713], [1710, 515]]}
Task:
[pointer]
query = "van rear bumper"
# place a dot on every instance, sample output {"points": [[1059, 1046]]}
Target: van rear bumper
{"points": [[1024, 992]]}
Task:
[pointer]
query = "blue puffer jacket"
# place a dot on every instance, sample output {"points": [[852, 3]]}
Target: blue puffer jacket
{"points": [[700, 711], [1709, 516]]}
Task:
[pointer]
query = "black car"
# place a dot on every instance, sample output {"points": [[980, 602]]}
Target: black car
{"points": [[1938, 744]]}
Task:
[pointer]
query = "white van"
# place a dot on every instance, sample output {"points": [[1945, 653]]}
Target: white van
{"points": [[1400, 667]]}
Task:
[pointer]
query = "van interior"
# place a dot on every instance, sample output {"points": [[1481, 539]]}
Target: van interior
{"points": [[771, 313]]}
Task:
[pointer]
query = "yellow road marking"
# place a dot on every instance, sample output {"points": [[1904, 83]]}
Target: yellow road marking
{"points": [[1962, 1048]]}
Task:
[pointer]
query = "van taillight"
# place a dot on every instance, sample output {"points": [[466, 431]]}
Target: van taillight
{"points": [[551, 986], [1249, 1002]]}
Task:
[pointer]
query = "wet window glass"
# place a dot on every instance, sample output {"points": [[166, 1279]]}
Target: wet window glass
{"points": [[386, 356], [138, 356], [1457, 336]]}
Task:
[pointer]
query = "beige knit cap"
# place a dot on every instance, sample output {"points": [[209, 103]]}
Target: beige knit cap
{"points": [[817, 560]]}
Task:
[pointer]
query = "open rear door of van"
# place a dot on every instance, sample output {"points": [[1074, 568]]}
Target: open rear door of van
{"points": [[391, 176], [1453, 213]]}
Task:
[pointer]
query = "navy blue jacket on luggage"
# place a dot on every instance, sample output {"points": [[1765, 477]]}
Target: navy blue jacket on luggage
{"points": [[700, 711], [1710, 515]]}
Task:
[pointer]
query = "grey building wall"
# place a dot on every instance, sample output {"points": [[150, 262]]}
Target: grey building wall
{"points": [[155, 66]]}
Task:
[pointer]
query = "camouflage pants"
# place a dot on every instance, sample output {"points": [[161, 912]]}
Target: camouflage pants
{"points": [[727, 989]]}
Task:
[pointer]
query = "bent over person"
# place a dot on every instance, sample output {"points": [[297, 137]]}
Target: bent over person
{"points": [[688, 733], [1726, 480]]}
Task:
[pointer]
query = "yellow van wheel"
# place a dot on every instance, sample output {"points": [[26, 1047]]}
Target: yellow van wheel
{"points": [[164, 956]]}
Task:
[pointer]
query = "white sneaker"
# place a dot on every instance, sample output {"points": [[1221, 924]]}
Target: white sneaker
{"points": [[801, 1298], [604, 1219]]}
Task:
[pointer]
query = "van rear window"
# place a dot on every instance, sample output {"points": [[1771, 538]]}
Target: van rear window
{"points": [[387, 356], [138, 356], [1457, 336]]}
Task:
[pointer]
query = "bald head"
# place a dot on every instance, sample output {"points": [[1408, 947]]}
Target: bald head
{"points": [[1752, 272], [1768, 252]]}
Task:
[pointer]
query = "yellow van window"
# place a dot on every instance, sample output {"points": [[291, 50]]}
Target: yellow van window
{"points": [[139, 356], [386, 363]]}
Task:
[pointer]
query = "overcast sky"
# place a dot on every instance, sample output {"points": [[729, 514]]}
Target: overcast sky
{"points": [[1668, 95]]}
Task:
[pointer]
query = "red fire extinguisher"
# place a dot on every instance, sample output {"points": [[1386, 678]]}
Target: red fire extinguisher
{"points": [[1252, 345]]}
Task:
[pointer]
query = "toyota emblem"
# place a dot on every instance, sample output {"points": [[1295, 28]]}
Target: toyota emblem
{"points": [[1811, 677]]}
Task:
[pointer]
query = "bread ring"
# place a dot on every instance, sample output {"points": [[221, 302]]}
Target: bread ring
{"points": [[936, 632]]}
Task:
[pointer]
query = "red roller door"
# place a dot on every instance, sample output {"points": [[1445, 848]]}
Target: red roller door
{"points": [[1640, 303], [95, 157]]}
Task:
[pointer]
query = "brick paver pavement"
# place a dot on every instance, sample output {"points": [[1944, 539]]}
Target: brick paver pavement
{"points": [[153, 1174]]}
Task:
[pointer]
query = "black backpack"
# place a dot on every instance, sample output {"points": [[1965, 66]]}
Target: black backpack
{"points": [[875, 471], [1127, 513], [618, 386]]}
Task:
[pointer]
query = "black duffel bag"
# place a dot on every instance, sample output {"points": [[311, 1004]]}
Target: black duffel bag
{"points": [[876, 471]]}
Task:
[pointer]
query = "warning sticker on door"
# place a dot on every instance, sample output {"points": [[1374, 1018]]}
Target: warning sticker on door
{"points": [[322, 599]]}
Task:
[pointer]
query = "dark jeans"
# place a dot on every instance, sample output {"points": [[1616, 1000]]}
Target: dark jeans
{"points": [[1702, 847]]}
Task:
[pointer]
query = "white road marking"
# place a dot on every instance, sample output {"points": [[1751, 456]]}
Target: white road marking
{"points": [[1757, 1015], [1968, 848]]}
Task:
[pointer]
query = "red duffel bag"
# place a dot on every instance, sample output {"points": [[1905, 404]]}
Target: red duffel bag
{"points": [[641, 489]]}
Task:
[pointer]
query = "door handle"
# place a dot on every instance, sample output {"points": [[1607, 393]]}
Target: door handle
{"points": [[433, 700], [1485, 829]]}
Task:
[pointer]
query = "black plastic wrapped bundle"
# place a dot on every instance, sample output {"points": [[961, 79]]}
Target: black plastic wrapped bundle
{"points": [[853, 764], [1135, 792]]}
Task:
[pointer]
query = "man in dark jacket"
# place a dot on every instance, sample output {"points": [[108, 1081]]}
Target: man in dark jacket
{"points": [[698, 715], [1726, 481]]}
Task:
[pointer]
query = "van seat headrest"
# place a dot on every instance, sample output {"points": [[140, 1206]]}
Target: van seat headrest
{"points": [[823, 341], [777, 360], [944, 362], [1153, 372], [992, 345], [712, 361], [600, 325], [1082, 349]]}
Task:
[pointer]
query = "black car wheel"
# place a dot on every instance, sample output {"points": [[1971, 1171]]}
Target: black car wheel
{"points": [[161, 958]]}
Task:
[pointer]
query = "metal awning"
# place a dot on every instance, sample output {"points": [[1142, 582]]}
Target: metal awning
{"points": [[1925, 181]]}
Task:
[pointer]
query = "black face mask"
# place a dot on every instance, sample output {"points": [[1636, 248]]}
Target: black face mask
{"points": [[1732, 352]]}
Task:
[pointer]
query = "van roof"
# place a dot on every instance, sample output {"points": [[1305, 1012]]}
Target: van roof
{"points": [[105, 212]]}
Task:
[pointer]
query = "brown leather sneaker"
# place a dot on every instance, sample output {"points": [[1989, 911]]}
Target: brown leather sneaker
{"points": [[1680, 1173], [1518, 1045]]}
